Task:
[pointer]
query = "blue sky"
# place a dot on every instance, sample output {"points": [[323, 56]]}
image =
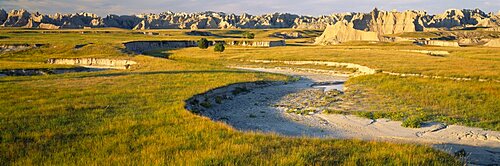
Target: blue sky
{"points": [[305, 7]]}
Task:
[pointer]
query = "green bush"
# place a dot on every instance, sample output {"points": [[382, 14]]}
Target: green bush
{"points": [[413, 122], [219, 47], [248, 35], [203, 43]]}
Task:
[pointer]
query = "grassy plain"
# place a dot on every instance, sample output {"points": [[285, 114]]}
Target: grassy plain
{"points": [[138, 115], [471, 103]]}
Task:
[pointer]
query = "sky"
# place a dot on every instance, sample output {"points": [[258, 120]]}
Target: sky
{"points": [[302, 7]]}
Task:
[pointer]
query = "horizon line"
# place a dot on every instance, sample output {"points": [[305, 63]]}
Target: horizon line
{"points": [[229, 13]]}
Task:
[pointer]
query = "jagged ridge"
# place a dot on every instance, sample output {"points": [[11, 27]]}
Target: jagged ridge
{"points": [[409, 21], [374, 25]]}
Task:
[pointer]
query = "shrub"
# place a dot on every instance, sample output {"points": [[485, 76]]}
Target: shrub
{"points": [[364, 114], [248, 35], [203, 43], [219, 47], [413, 122]]}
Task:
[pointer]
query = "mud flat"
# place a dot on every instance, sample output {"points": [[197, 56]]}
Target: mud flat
{"points": [[296, 109]]}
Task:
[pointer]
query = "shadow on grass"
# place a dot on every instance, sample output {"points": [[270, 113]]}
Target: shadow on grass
{"points": [[474, 155], [234, 32], [127, 74], [298, 44], [161, 53]]}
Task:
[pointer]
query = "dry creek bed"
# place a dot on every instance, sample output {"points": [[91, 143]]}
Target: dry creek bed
{"points": [[296, 109]]}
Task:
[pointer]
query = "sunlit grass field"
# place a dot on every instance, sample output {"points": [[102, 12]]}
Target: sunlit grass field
{"points": [[471, 103], [137, 116]]}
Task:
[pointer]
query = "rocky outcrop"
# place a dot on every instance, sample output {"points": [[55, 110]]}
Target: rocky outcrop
{"points": [[382, 22], [458, 18], [257, 43], [48, 26], [343, 32], [165, 20], [144, 46], [94, 62], [372, 26], [288, 35], [493, 43], [376, 25], [19, 18], [442, 43], [3, 16]]}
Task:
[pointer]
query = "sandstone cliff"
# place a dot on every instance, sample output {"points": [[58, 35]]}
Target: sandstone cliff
{"points": [[94, 62], [145, 46], [493, 43], [375, 25], [377, 21], [166, 20]]}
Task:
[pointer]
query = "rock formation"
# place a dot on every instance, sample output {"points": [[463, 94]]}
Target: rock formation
{"points": [[3, 16], [166, 20], [375, 25], [344, 31], [288, 35], [257, 43], [442, 43], [493, 43], [94, 62], [144, 46], [377, 21]]}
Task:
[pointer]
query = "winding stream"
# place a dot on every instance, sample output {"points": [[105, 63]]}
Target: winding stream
{"points": [[271, 108]]}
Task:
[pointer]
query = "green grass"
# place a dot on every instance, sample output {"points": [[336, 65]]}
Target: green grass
{"points": [[481, 62], [468, 103], [137, 116]]}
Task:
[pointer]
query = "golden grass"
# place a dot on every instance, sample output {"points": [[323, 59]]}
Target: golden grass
{"points": [[137, 116], [470, 103]]}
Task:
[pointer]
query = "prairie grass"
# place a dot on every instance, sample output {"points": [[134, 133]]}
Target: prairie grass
{"points": [[467, 103], [470, 103], [137, 116], [467, 62]]}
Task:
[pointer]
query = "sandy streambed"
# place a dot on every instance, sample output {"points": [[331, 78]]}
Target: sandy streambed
{"points": [[295, 109]]}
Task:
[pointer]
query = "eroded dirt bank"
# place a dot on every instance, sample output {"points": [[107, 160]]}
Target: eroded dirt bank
{"points": [[94, 62], [296, 109]]}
